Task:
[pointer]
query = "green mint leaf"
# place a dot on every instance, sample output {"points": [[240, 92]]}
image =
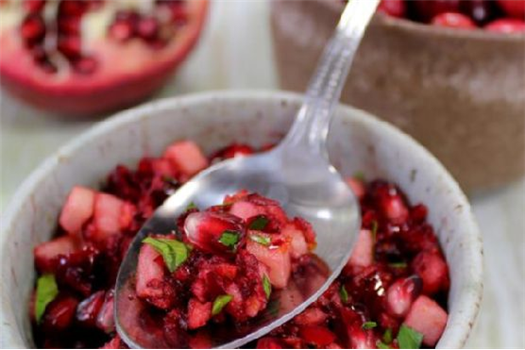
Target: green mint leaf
{"points": [[407, 338], [220, 302], [170, 180], [273, 308], [369, 325], [267, 286], [173, 252], [375, 226], [259, 223], [381, 345], [398, 265], [359, 175], [191, 206], [262, 240], [46, 291], [343, 294], [229, 238], [387, 336]]}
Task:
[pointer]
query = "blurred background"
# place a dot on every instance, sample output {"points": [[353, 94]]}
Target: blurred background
{"points": [[236, 51]]}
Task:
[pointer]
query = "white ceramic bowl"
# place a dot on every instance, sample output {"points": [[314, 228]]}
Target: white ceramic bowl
{"points": [[358, 142]]}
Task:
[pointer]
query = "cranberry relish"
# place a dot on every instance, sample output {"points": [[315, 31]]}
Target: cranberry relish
{"points": [[392, 293], [223, 262]]}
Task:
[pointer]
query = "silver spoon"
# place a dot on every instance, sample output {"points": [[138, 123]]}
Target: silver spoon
{"points": [[298, 174]]}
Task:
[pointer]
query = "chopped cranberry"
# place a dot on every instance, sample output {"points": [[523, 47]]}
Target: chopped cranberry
{"points": [[433, 270], [506, 25], [241, 251], [395, 8], [453, 20], [33, 29], [269, 343], [207, 231], [426, 10]]}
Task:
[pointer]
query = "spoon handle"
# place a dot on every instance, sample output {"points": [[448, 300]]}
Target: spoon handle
{"points": [[310, 128]]}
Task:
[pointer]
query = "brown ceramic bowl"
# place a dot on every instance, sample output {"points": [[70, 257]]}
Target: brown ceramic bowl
{"points": [[461, 93]]}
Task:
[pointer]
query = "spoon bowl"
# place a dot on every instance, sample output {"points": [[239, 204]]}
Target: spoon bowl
{"points": [[307, 187], [296, 173]]}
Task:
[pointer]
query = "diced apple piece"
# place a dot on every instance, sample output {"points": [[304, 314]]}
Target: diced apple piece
{"points": [[245, 210], [277, 259], [148, 270], [298, 246], [433, 270], [77, 210], [45, 253], [198, 313], [112, 215], [428, 318], [363, 253], [187, 157], [356, 186]]}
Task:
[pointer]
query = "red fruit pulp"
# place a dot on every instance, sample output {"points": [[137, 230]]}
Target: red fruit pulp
{"points": [[453, 20], [401, 276], [85, 73]]}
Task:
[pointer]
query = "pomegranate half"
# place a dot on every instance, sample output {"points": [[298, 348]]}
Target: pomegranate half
{"points": [[85, 57]]}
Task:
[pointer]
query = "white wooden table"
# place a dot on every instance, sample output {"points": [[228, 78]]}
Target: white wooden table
{"points": [[236, 53]]}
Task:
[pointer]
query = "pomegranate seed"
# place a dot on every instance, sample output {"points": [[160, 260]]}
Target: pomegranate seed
{"points": [[513, 8], [418, 213], [69, 26], [179, 15], [506, 25], [33, 29], [70, 46], [72, 8], [85, 65], [394, 8], [148, 28], [88, 309], [453, 20], [121, 31], [60, 314], [34, 6], [402, 294], [204, 229]]}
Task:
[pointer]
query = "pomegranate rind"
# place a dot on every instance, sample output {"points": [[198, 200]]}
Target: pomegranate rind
{"points": [[111, 86]]}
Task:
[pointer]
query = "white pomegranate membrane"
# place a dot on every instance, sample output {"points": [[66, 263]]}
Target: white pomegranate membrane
{"points": [[85, 57], [222, 264], [54, 31]]}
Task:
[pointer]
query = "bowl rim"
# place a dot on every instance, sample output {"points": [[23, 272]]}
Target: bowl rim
{"points": [[470, 298]]}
